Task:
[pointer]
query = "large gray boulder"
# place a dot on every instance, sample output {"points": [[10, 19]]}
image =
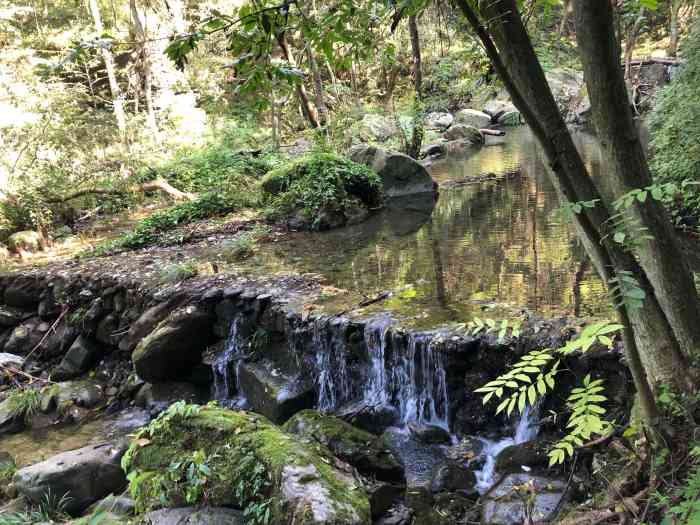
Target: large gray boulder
{"points": [[159, 396], [377, 128], [175, 346], [504, 507], [10, 421], [495, 107], [472, 117], [465, 132], [24, 242], [195, 516], [401, 175], [273, 393], [23, 293], [84, 476], [438, 120]]}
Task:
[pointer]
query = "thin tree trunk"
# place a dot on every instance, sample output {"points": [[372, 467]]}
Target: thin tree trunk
{"points": [[319, 97], [147, 84], [672, 50], [632, 42], [117, 98], [306, 107], [417, 65], [566, 11], [659, 254]]}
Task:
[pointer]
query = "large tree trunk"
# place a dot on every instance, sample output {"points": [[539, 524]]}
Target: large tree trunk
{"points": [[417, 65], [117, 97], [516, 64], [672, 50], [307, 108], [659, 254], [147, 77]]}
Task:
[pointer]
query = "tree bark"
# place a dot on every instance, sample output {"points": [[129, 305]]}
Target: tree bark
{"points": [[660, 256], [417, 64], [319, 97], [147, 83], [117, 97], [516, 64], [632, 42], [672, 50], [155, 185], [307, 109]]}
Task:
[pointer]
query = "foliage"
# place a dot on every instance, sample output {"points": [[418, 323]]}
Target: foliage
{"points": [[533, 376], [51, 509], [321, 181], [24, 402], [477, 325], [675, 127], [178, 272]]}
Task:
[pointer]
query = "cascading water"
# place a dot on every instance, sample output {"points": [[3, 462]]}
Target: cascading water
{"points": [[333, 382], [526, 430], [226, 384]]}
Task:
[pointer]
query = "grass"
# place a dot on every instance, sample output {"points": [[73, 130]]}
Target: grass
{"points": [[24, 402], [177, 272]]}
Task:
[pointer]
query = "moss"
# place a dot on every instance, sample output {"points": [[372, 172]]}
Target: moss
{"points": [[230, 441]]}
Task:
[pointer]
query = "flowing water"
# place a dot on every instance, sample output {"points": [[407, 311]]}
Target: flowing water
{"points": [[226, 388], [500, 242]]}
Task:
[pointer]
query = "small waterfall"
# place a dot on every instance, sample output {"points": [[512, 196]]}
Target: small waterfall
{"points": [[333, 381], [226, 384], [376, 336], [526, 430]]}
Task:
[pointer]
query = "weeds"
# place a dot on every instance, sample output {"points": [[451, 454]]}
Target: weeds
{"points": [[24, 402], [178, 272]]}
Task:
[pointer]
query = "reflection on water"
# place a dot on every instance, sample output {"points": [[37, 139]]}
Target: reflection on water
{"points": [[501, 241]]}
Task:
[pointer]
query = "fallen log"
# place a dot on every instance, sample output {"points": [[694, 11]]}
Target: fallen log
{"points": [[154, 185], [493, 132]]}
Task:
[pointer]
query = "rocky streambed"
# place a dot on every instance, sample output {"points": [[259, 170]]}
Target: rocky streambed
{"points": [[320, 417]]}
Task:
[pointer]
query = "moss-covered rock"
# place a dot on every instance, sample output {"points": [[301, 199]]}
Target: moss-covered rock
{"points": [[322, 190], [359, 448], [25, 241], [249, 464]]}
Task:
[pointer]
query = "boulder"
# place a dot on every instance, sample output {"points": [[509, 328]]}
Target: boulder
{"points": [[430, 434], [119, 505], [369, 417], [23, 293], [383, 496], [531, 455], [465, 132], [86, 394], [273, 393], [32, 333], [438, 120], [11, 317], [497, 106], [401, 175], [306, 481], [159, 396], [195, 516], [453, 477], [355, 446], [176, 344], [437, 149], [10, 422], [503, 506], [80, 358], [147, 322], [85, 476], [377, 128], [472, 117], [11, 360], [510, 118], [24, 242]]}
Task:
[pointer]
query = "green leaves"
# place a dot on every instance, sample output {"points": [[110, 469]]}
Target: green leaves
{"points": [[503, 327], [625, 290], [592, 334]]}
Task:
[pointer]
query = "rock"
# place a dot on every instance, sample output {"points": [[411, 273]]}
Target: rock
{"points": [[472, 117], [439, 121], [11, 317], [174, 346], [401, 175], [23, 293], [383, 496], [85, 394], [453, 477], [4, 253], [510, 118], [84, 475], [495, 107], [24, 242], [159, 396], [119, 505], [147, 322], [377, 128], [431, 434], [273, 393], [10, 423], [532, 454], [465, 132], [436, 149], [305, 479], [12, 360], [31, 334], [355, 446], [504, 507], [195, 516], [80, 358], [106, 330], [371, 418], [399, 515]]}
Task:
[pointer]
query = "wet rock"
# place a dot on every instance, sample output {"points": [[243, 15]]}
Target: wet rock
{"points": [[23, 293], [401, 175], [434, 150], [505, 507], [147, 322], [108, 329], [532, 455], [399, 515], [174, 346], [430, 434], [383, 496], [12, 360], [159, 396], [119, 505], [26, 336], [86, 394], [439, 121], [497, 107], [10, 423], [453, 477], [510, 118], [84, 475], [80, 358], [24, 242], [355, 446], [306, 479], [465, 132], [472, 117], [195, 516], [11, 317], [273, 393], [371, 418]]}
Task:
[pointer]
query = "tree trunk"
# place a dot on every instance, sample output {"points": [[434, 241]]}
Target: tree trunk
{"points": [[565, 12], [632, 42], [319, 97], [306, 107], [672, 50], [117, 98], [516, 64], [147, 83], [659, 255], [417, 65]]}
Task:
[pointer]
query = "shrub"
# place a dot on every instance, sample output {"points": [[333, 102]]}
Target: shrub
{"points": [[178, 272]]}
